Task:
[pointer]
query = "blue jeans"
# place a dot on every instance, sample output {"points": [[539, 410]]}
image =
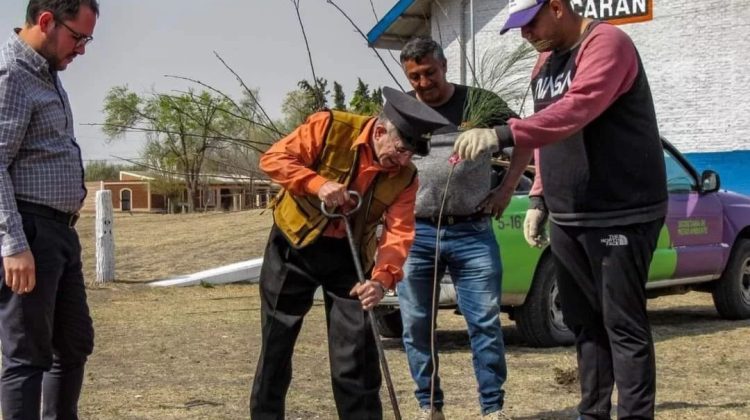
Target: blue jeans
{"points": [[470, 253]]}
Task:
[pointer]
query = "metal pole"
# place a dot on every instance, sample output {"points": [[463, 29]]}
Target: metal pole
{"points": [[371, 317]]}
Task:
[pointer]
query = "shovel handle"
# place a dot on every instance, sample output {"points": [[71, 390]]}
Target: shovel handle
{"points": [[351, 211], [360, 275]]}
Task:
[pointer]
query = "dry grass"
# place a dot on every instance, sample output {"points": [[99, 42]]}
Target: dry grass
{"points": [[155, 246], [182, 353]]}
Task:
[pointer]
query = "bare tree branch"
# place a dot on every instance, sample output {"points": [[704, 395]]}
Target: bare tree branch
{"points": [[207, 124], [250, 93], [365, 38], [131, 129], [207, 86], [377, 19], [240, 169], [318, 91], [374, 13], [233, 114], [460, 38], [163, 171]]}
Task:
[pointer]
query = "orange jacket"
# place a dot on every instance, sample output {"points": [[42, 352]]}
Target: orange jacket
{"points": [[288, 162]]}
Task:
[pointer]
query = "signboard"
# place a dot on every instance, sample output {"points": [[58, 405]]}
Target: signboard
{"points": [[615, 11]]}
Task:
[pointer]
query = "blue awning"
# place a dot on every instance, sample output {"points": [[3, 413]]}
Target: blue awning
{"points": [[406, 19]]}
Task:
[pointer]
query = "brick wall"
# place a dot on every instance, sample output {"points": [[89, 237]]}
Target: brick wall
{"points": [[694, 52], [139, 195]]}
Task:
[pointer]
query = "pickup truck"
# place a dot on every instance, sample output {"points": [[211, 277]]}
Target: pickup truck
{"points": [[704, 245]]}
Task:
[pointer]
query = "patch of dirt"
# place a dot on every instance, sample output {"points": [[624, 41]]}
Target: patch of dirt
{"points": [[190, 353], [566, 376], [176, 353]]}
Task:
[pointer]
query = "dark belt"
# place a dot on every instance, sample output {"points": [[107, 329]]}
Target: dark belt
{"points": [[40, 210], [452, 220]]}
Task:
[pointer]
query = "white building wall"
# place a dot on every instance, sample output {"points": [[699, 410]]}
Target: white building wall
{"points": [[447, 20], [695, 53]]}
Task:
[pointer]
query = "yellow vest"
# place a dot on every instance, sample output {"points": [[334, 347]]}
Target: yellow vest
{"points": [[299, 217]]}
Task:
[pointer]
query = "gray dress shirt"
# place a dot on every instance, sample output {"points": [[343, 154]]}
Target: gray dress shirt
{"points": [[40, 161]]}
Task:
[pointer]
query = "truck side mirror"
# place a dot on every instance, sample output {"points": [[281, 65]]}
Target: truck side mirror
{"points": [[710, 181]]}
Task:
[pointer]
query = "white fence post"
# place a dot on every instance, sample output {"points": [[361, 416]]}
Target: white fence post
{"points": [[105, 240]]}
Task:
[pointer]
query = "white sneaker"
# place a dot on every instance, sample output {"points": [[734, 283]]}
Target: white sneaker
{"points": [[426, 414]]}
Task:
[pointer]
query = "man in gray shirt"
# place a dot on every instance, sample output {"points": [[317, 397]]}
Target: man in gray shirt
{"points": [[45, 327], [468, 249]]}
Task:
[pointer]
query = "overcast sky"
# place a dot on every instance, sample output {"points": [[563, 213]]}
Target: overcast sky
{"points": [[137, 42]]}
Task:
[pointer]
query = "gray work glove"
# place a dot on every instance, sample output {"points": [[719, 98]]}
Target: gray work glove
{"points": [[471, 144], [535, 224]]}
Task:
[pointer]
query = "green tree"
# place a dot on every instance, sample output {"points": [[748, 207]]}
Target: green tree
{"points": [[339, 99], [301, 102], [180, 129], [296, 107], [363, 102], [376, 99], [100, 170], [318, 93]]}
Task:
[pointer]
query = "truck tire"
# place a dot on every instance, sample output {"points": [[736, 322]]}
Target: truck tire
{"points": [[539, 319], [732, 291], [389, 322]]}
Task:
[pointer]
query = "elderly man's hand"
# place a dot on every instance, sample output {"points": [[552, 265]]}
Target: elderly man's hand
{"points": [[333, 194], [473, 143], [369, 293]]}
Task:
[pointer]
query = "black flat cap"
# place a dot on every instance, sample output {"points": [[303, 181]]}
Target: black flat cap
{"points": [[414, 120]]}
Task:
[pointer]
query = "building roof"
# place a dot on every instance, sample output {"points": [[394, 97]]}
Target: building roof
{"points": [[214, 179], [146, 176], [406, 19]]}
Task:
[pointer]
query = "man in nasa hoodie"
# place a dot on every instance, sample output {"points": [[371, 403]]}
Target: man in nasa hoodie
{"points": [[601, 179]]}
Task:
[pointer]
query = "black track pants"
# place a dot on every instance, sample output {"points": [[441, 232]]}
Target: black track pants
{"points": [[601, 274]]}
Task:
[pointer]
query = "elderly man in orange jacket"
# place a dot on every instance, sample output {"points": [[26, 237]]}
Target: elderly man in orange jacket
{"points": [[329, 155]]}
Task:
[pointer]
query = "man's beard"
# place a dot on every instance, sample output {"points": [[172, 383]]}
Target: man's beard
{"points": [[49, 52], [541, 45]]}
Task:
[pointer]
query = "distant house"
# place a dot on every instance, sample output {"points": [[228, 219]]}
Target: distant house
{"points": [[135, 192]]}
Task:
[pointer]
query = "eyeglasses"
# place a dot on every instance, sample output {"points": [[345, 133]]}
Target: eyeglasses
{"points": [[81, 39], [400, 148]]}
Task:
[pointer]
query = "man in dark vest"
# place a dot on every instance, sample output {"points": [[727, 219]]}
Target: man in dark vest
{"points": [[601, 179], [329, 155]]}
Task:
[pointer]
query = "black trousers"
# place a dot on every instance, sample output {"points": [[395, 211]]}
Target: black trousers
{"points": [[601, 275], [288, 281], [47, 334]]}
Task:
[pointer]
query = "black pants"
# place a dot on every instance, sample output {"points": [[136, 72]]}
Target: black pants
{"points": [[288, 281], [601, 275], [47, 334]]}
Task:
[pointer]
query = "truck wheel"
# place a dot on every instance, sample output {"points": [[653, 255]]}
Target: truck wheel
{"points": [[389, 322], [732, 291], [540, 319]]}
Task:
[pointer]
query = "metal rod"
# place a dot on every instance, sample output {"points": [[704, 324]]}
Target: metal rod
{"points": [[371, 317]]}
